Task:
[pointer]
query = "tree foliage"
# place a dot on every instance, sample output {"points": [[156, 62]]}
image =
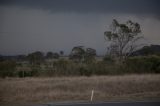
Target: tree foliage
{"points": [[123, 38], [80, 53], [49, 55], [77, 53], [61, 52], [55, 55], [7, 68], [90, 55], [36, 57]]}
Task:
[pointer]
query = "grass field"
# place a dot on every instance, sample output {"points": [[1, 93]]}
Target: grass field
{"points": [[57, 89]]}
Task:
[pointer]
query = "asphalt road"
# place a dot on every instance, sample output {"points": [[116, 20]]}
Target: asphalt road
{"points": [[108, 104]]}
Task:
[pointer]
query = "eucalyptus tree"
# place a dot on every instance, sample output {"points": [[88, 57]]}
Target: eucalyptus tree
{"points": [[55, 55], [90, 55], [78, 53], [49, 55], [36, 57], [81, 54], [123, 38]]}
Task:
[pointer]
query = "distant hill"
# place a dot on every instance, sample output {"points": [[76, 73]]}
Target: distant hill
{"points": [[148, 50]]}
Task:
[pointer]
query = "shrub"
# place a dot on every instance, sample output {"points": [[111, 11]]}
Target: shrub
{"points": [[143, 64], [7, 68], [108, 59]]}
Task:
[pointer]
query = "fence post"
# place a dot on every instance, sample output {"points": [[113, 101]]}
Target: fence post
{"points": [[92, 95]]}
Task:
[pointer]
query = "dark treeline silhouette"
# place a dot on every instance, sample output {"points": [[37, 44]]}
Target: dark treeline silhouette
{"points": [[81, 62], [147, 50]]}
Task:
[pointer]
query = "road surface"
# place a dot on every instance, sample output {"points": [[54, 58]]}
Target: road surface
{"points": [[107, 104]]}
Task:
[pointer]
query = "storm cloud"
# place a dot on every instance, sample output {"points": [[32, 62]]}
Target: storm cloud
{"points": [[54, 25], [85, 6]]}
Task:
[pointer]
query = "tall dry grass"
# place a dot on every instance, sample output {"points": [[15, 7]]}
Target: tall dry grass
{"points": [[56, 89]]}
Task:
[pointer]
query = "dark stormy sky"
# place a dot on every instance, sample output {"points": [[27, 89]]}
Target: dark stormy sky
{"points": [[54, 25]]}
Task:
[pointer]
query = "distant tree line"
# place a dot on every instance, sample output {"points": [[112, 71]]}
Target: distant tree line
{"points": [[122, 57]]}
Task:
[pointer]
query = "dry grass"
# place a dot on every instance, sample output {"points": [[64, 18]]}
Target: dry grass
{"points": [[107, 88]]}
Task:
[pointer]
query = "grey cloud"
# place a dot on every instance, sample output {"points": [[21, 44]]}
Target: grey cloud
{"points": [[85, 6]]}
